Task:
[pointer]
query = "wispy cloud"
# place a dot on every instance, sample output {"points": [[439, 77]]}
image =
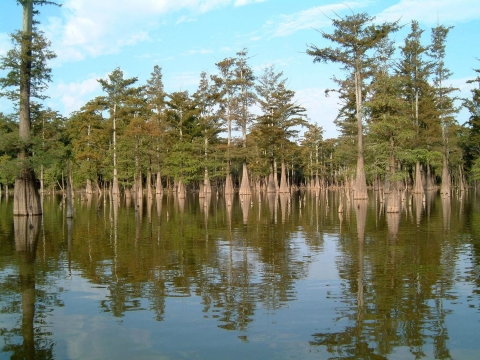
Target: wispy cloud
{"points": [[432, 11], [316, 17], [246, 2], [199, 52], [185, 19], [90, 28], [75, 95]]}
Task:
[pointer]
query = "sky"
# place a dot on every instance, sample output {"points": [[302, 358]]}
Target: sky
{"points": [[185, 37]]}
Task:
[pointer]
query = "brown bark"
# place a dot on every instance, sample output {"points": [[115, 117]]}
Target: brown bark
{"points": [[446, 183], [283, 181], [245, 185], [229, 184], [26, 195], [159, 187], [418, 185], [149, 185]]}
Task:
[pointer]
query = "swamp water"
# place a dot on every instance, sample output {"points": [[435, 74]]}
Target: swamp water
{"points": [[260, 277]]}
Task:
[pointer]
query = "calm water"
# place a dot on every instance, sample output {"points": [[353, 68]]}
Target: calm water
{"points": [[260, 278]]}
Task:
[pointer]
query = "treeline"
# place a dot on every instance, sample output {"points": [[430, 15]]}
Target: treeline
{"points": [[239, 131]]}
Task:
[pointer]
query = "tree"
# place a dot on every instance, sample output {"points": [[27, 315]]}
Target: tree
{"points": [[389, 123], [89, 139], [472, 146], [311, 146], [118, 90], [414, 71], [225, 86], [209, 122], [245, 98], [279, 122], [355, 35], [443, 100], [155, 95], [27, 73], [182, 113]]}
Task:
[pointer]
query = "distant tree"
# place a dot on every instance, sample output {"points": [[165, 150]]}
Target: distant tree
{"points": [[226, 87], [245, 98], [117, 90], [155, 94], [9, 143], [389, 124], [209, 122], [279, 122], [444, 101], [355, 36], [472, 146], [311, 145], [90, 139], [414, 71], [182, 113]]}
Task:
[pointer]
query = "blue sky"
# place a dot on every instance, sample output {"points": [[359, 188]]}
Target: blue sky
{"points": [[185, 37]]}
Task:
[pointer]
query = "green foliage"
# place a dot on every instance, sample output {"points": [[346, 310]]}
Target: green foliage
{"points": [[39, 72]]}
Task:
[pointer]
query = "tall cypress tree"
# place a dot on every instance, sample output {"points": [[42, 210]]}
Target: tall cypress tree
{"points": [[27, 72], [155, 95], [443, 100], [355, 36], [414, 71], [118, 89]]}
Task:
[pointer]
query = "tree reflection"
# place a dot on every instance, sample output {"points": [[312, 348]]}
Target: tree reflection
{"points": [[395, 289], [237, 260], [35, 344]]}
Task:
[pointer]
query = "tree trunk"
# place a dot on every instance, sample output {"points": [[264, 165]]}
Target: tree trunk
{"points": [[228, 181], [446, 187], [271, 188], [429, 179], [115, 187], [159, 187], [88, 187], [283, 181], [207, 187], [418, 185], [149, 185], [360, 186], [26, 196], [69, 191], [245, 186]]}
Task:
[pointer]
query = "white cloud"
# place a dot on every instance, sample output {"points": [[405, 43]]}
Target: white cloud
{"points": [[90, 28], [185, 19], [432, 11], [246, 2], [315, 17], [199, 51], [75, 95]]}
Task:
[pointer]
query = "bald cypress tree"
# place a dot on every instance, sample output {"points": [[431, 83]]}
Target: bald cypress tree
{"points": [[444, 100], [27, 75], [355, 36], [118, 90], [414, 70]]}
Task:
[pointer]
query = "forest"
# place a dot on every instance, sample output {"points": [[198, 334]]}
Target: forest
{"points": [[241, 131]]}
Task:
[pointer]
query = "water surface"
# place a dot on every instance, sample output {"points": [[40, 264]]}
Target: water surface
{"points": [[253, 277]]}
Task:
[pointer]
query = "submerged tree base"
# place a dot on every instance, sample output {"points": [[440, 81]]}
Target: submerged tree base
{"points": [[26, 197]]}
